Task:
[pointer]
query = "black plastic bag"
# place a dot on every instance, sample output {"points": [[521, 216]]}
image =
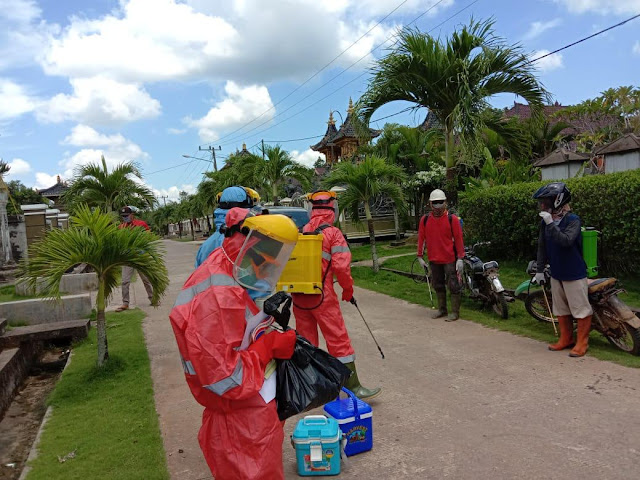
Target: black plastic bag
{"points": [[308, 380]]}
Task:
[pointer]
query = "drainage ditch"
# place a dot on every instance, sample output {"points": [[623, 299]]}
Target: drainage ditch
{"points": [[21, 421]]}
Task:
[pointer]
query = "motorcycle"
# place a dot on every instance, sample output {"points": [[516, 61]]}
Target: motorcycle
{"points": [[615, 320], [482, 280]]}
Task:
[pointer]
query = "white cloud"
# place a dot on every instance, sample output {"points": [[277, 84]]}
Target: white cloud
{"points": [[241, 105], [44, 180], [306, 158], [23, 34], [19, 11], [547, 64], [602, 7], [100, 101], [176, 131], [636, 48], [85, 136], [14, 100], [173, 193], [248, 41], [374, 8], [538, 28], [115, 148], [19, 167]]}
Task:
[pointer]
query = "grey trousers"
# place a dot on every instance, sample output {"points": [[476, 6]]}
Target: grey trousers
{"points": [[445, 274], [127, 272]]}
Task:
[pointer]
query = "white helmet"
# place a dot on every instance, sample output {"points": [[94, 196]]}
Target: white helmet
{"points": [[437, 195]]}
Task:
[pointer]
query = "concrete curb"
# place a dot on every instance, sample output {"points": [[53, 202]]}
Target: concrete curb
{"points": [[43, 310]]}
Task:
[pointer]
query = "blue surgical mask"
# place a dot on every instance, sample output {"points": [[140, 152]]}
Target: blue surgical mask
{"points": [[257, 294]]}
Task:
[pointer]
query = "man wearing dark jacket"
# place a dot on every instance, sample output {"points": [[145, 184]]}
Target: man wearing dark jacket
{"points": [[560, 245]]}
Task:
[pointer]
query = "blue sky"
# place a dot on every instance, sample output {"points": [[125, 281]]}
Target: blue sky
{"points": [[151, 80]]}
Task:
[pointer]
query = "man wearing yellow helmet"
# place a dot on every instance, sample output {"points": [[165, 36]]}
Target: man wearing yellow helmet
{"points": [[241, 435]]}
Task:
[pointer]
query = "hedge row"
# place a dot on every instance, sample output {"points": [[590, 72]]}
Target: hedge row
{"points": [[508, 217]]}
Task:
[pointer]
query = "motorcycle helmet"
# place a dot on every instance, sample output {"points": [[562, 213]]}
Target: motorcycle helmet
{"points": [[553, 195]]}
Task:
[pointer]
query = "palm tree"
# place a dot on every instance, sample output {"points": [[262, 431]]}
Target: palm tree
{"points": [[453, 79], [415, 148], [364, 182], [546, 136], [95, 240], [94, 185], [277, 167]]}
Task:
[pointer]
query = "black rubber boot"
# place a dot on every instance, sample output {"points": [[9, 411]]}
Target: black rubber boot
{"points": [[358, 390], [455, 308], [442, 305]]}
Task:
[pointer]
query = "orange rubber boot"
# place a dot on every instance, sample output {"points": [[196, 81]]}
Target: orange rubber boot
{"points": [[582, 344], [566, 334]]}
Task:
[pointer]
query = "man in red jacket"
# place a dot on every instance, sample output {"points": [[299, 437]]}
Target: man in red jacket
{"points": [[441, 232], [313, 311], [241, 435], [130, 221]]}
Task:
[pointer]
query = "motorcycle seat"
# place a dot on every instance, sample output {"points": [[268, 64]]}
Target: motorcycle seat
{"points": [[600, 284]]}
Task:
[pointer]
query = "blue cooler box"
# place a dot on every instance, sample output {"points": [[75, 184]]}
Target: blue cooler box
{"points": [[317, 443], [355, 418]]}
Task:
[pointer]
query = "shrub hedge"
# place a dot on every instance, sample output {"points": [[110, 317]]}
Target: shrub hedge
{"points": [[507, 216]]}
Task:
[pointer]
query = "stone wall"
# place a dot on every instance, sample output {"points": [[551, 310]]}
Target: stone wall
{"points": [[39, 310], [18, 237], [71, 284]]}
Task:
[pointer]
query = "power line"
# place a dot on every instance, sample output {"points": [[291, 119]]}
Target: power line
{"points": [[584, 39], [336, 76], [315, 74]]}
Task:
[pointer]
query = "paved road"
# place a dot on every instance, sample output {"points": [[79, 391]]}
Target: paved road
{"points": [[460, 401]]}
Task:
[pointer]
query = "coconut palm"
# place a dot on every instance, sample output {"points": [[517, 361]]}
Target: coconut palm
{"points": [[453, 79], [94, 239], [364, 182], [277, 167], [94, 185]]}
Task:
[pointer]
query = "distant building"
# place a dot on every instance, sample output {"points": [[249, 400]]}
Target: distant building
{"points": [[55, 192], [561, 164], [621, 154], [339, 144]]}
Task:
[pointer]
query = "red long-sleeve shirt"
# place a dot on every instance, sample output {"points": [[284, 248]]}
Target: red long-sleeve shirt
{"points": [[135, 223], [439, 237]]}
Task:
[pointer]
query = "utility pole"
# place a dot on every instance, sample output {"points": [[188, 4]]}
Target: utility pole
{"points": [[164, 199], [263, 149], [213, 154]]}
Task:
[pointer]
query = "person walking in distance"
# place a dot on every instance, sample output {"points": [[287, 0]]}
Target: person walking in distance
{"points": [[441, 233], [130, 221]]}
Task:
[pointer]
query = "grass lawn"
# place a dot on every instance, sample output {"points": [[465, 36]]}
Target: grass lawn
{"points": [[384, 250], [106, 416], [8, 294], [519, 322]]}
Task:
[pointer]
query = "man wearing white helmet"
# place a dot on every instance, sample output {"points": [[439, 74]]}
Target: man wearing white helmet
{"points": [[441, 233]]}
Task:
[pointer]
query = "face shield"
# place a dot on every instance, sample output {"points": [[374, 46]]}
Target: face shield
{"points": [[261, 260]]}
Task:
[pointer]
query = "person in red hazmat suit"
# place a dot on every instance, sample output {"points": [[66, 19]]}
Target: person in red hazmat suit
{"points": [[323, 310], [241, 435]]}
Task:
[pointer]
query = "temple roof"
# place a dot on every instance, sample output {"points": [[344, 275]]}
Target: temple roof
{"points": [[347, 130], [328, 136], [55, 191]]}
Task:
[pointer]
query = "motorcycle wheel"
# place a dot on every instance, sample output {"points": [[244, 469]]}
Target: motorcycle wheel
{"points": [[537, 307], [499, 305], [628, 342]]}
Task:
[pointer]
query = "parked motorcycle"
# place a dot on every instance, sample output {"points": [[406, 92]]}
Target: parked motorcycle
{"points": [[611, 316], [482, 281]]}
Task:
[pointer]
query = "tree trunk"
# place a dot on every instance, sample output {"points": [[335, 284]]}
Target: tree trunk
{"points": [[372, 237], [208, 225], [101, 325], [396, 223], [451, 184], [193, 230], [180, 229], [274, 191]]}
